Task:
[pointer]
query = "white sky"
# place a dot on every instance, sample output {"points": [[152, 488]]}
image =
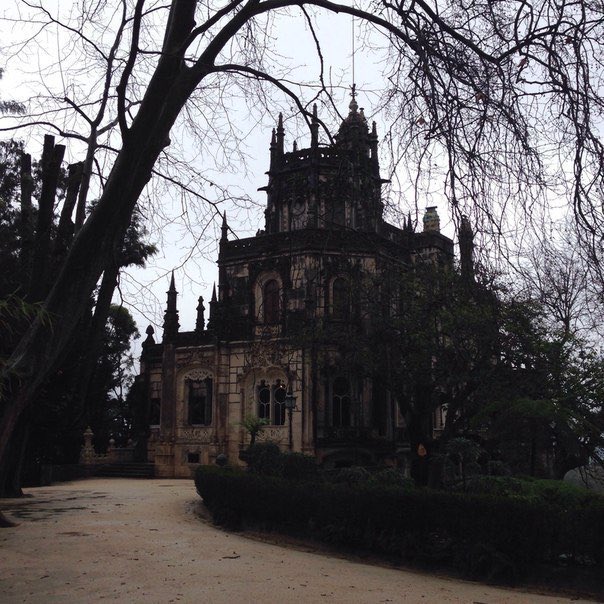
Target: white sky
{"points": [[143, 290]]}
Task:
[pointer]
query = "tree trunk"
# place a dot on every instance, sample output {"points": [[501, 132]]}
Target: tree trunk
{"points": [[104, 231], [10, 474], [52, 156], [95, 338]]}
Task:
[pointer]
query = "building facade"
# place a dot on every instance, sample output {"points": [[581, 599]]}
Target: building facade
{"points": [[286, 315]]}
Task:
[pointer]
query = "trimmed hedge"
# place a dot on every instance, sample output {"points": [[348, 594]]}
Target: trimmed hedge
{"points": [[482, 536]]}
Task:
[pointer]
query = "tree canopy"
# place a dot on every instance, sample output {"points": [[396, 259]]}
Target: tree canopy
{"points": [[498, 102]]}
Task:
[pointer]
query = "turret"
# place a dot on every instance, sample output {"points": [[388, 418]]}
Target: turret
{"points": [[431, 220]]}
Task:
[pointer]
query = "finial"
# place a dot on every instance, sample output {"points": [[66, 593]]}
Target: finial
{"points": [[200, 322], [150, 340], [295, 146], [214, 298], [314, 128], [224, 228], [280, 135], [171, 315], [273, 138], [354, 106]]}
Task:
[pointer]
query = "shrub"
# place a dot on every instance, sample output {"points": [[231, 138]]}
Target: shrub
{"points": [[483, 535], [265, 458], [268, 460], [393, 477], [297, 466], [354, 475], [555, 492]]}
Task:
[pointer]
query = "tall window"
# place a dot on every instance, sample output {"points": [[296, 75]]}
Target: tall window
{"points": [[340, 402], [200, 401], [271, 402], [270, 300], [340, 299], [155, 406], [339, 212]]}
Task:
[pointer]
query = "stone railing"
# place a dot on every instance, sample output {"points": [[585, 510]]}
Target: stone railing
{"points": [[88, 456]]}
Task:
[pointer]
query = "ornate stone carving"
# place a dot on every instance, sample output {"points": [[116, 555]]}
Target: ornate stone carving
{"points": [[197, 435], [198, 373], [194, 357], [276, 434]]}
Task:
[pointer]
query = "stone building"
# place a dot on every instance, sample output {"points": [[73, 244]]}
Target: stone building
{"points": [[286, 301]]}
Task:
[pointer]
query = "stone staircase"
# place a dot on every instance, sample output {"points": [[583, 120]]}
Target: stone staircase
{"points": [[126, 470]]}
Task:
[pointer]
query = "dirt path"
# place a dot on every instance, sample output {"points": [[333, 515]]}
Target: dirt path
{"points": [[140, 541]]}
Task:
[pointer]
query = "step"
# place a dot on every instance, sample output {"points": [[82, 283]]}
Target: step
{"points": [[127, 470]]}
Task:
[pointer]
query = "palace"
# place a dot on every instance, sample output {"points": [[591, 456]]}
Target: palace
{"points": [[286, 300]]}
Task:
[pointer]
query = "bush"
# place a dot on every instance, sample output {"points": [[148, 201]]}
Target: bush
{"points": [[482, 535], [354, 475], [555, 492], [267, 459]]}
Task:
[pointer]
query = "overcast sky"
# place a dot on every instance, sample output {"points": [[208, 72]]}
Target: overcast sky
{"points": [[189, 248]]}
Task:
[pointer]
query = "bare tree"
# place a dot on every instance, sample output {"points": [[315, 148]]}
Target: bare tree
{"points": [[502, 103], [501, 91]]}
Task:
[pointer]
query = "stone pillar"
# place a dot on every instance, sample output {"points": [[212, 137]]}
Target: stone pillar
{"points": [[87, 453]]}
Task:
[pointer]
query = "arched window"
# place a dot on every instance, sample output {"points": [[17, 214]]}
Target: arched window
{"points": [[340, 402], [264, 401], [340, 299], [199, 400], [279, 393], [271, 402], [270, 301]]}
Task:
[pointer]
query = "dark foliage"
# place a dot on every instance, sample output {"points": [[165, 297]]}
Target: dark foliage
{"points": [[483, 536], [268, 460]]}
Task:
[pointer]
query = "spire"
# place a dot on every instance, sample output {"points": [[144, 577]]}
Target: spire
{"points": [[273, 151], [373, 146], [214, 320], [314, 128], [224, 229], [200, 322], [466, 249], [409, 224], [171, 324], [280, 136]]}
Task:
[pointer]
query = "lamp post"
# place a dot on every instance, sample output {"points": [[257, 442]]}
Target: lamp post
{"points": [[290, 405]]}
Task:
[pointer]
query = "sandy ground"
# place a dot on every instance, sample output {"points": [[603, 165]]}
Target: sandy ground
{"points": [[142, 541]]}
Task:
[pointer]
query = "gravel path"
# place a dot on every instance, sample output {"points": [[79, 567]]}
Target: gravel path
{"points": [[141, 541]]}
